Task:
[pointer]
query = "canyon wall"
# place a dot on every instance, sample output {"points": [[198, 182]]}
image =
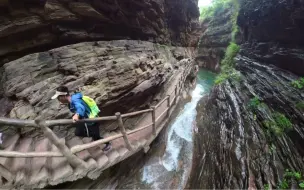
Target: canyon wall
{"points": [[251, 127], [215, 39], [109, 50], [38, 25]]}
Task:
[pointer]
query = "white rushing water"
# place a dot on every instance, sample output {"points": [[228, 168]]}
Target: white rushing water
{"points": [[159, 174]]}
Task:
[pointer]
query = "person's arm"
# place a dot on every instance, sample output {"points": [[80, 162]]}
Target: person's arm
{"points": [[80, 111]]}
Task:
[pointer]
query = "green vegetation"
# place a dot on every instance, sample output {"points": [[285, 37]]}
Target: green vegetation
{"points": [[300, 105], [277, 126], [232, 50], [298, 83], [254, 103], [228, 71], [227, 64], [217, 7], [266, 187], [282, 121], [290, 176]]}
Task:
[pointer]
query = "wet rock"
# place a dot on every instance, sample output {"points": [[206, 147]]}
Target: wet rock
{"points": [[235, 148]]}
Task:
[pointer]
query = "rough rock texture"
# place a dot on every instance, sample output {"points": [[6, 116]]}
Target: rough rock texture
{"points": [[31, 25], [215, 39], [241, 146], [120, 75], [234, 148], [272, 32]]}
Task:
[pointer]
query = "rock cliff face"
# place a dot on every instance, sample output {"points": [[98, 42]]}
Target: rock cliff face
{"points": [[251, 130], [215, 39], [31, 25], [91, 46], [120, 75]]}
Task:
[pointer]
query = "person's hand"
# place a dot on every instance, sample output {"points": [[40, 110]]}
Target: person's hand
{"points": [[75, 117]]}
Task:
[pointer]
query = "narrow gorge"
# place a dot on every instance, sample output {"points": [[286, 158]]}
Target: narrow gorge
{"points": [[234, 123]]}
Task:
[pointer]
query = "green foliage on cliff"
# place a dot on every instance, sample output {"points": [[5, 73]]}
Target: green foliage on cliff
{"points": [[254, 103], [217, 7], [298, 83], [278, 125], [227, 65], [231, 51], [229, 73], [300, 105], [290, 177]]}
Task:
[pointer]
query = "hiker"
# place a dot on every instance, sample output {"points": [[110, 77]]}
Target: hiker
{"points": [[78, 104]]}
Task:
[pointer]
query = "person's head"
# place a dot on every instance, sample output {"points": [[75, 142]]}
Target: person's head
{"points": [[62, 94]]}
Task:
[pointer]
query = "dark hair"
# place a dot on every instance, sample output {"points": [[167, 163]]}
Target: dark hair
{"points": [[63, 89]]}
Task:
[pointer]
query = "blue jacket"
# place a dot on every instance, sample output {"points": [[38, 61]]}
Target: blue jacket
{"points": [[77, 105]]}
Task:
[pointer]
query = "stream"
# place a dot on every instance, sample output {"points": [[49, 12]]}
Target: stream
{"points": [[168, 163], [169, 167]]}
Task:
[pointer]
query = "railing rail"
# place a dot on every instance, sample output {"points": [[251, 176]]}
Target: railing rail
{"points": [[69, 153]]}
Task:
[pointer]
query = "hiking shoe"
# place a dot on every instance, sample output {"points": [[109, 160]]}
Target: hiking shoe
{"points": [[107, 147]]}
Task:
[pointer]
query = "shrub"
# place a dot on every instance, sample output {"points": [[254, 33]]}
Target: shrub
{"points": [[277, 126], [227, 74], [266, 187], [217, 7], [300, 105], [254, 103], [298, 83], [231, 51], [288, 177], [282, 121]]}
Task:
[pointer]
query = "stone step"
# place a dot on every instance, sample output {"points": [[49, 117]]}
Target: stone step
{"points": [[9, 145], [39, 171], [101, 163], [113, 156], [84, 155], [60, 168], [143, 142], [123, 152], [21, 166], [95, 152]]}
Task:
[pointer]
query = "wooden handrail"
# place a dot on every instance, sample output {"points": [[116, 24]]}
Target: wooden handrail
{"points": [[72, 158], [161, 102], [136, 113], [18, 122], [70, 153], [70, 121], [162, 114], [139, 129], [15, 154]]}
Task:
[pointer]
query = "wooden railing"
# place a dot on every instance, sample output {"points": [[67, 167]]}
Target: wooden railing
{"points": [[64, 151]]}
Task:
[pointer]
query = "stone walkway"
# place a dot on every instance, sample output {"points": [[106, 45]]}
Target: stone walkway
{"points": [[40, 172]]}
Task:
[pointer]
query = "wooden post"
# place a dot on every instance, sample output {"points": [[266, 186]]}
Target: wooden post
{"points": [[123, 131], [154, 120], [72, 158], [180, 86], [175, 100], [168, 105], [169, 101]]}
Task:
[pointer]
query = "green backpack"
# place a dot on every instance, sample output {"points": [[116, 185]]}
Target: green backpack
{"points": [[92, 105]]}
